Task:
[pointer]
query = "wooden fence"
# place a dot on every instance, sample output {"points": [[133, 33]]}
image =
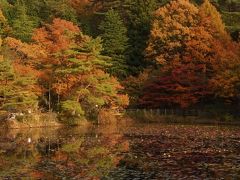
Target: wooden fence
{"points": [[179, 112]]}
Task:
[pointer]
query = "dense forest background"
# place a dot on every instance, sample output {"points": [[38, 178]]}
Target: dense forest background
{"points": [[78, 57]]}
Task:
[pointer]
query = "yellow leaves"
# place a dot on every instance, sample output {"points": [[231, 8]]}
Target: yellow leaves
{"points": [[181, 8], [160, 60], [224, 84], [123, 100], [61, 88], [12, 42], [160, 12], [209, 12], [26, 50], [2, 18], [155, 30], [183, 40], [177, 26], [173, 24]]}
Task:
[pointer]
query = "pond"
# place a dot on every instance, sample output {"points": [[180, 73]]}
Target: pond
{"points": [[136, 151]]}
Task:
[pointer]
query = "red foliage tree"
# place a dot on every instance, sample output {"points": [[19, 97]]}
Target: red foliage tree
{"points": [[180, 45]]}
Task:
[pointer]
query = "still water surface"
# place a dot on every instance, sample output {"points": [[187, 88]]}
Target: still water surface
{"points": [[139, 151]]}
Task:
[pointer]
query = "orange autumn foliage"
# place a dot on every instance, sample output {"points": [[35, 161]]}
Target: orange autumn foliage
{"points": [[68, 67], [185, 45], [25, 68], [181, 46], [73, 66], [54, 39], [80, 5], [225, 83], [57, 36]]}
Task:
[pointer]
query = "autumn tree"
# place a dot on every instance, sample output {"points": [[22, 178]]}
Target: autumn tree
{"points": [[18, 84], [215, 23], [54, 40], [180, 44], [194, 55], [224, 82], [73, 70]]}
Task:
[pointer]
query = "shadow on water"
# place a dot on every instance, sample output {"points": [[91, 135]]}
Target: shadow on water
{"points": [[136, 151]]}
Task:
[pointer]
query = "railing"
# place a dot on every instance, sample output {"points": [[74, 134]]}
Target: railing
{"points": [[183, 112]]}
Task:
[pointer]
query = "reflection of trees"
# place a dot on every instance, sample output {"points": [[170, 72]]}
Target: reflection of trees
{"points": [[17, 155], [91, 156], [20, 151], [76, 152]]}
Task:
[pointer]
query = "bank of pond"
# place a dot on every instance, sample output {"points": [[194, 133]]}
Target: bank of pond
{"points": [[165, 116]]}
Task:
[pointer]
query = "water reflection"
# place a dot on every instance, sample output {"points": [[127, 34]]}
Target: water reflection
{"points": [[121, 152], [74, 153]]}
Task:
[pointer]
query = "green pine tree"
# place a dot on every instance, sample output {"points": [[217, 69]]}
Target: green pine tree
{"points": [[139, 22], [15, 89], [6, 76], [22, 24], [115, 42]]}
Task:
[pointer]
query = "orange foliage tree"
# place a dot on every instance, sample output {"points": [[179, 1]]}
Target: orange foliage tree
{"points": [[71, 69], [185, 44], [225, 81], [180, 45], [19, 90]]}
